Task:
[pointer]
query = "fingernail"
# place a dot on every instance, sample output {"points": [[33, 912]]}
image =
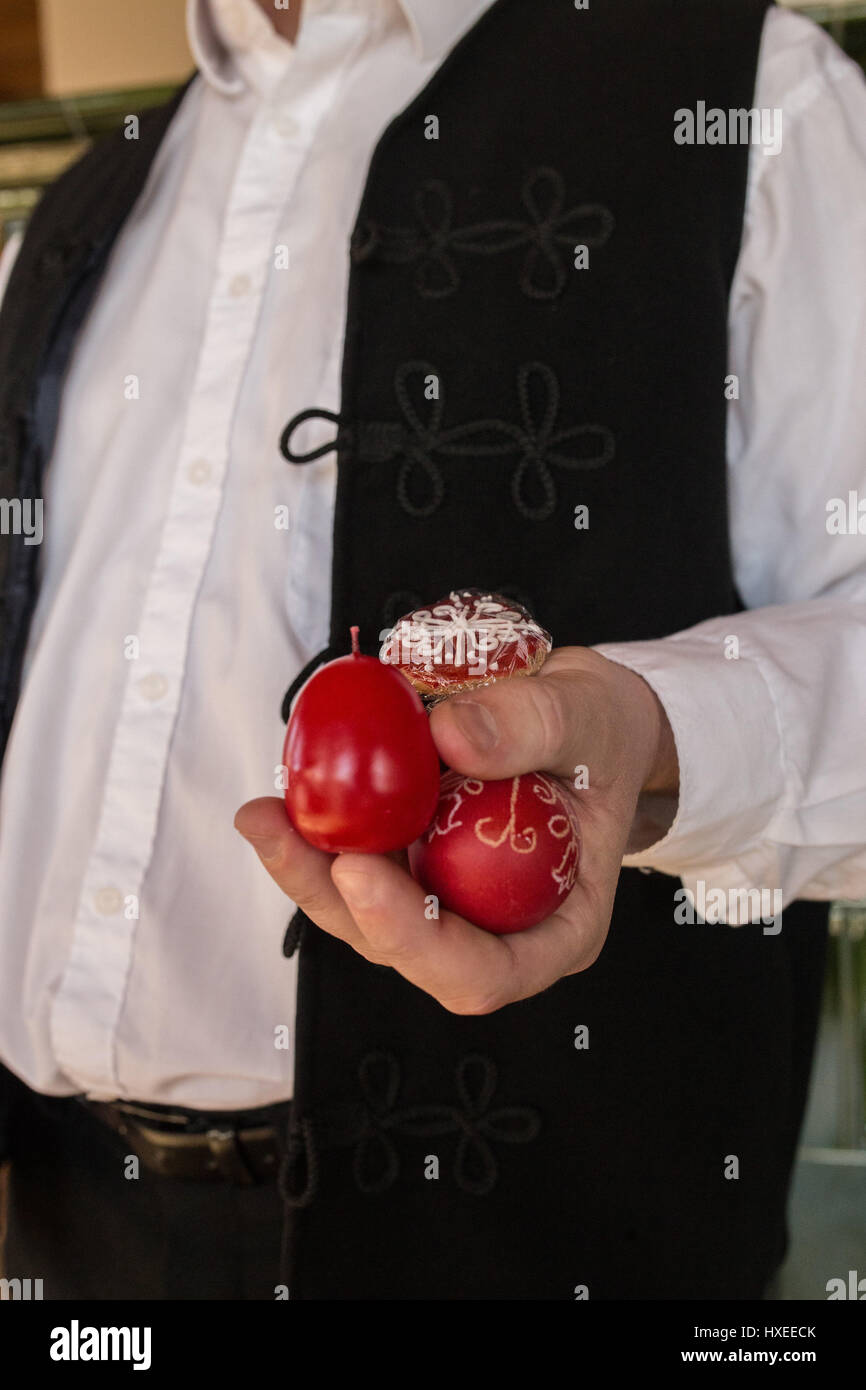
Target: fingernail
{"points": [[357, 888], [476, 724], [264, 847]]}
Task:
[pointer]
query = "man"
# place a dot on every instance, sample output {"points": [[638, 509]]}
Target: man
{"points": [[572, 1112]]}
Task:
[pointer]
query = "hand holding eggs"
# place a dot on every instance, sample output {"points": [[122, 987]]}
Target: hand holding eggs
{"points": [[363, 770]]}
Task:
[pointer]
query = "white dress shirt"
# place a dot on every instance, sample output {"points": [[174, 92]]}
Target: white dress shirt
{"points": [[139, 936]]}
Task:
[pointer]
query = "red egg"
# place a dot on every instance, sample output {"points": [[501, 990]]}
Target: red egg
{"points": [[363, 771], [504, 855]]}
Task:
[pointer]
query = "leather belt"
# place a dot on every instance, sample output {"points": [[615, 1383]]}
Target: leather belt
{"points": [[196, 1146]]}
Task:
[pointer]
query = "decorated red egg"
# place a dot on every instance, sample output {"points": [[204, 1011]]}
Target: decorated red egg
{"points": [[362, 767], [502, 854], [467, 639]]}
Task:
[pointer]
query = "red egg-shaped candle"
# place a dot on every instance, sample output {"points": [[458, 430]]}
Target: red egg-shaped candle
{"points": [[503, 854], [362, 767]]}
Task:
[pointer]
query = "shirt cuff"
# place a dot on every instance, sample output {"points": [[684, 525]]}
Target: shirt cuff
{"points": [[729, 746]]}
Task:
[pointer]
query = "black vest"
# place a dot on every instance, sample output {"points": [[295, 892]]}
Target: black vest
{"points": [[560, 1168]]}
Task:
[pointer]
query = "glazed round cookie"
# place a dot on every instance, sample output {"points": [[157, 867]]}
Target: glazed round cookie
{"points": [[467, 639]]}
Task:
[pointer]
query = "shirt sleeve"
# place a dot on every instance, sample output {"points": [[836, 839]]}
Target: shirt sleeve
{"points": [[768, 707]]}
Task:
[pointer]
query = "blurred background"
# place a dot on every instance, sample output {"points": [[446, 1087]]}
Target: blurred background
{"points": [[62, 86], [70, 70]]}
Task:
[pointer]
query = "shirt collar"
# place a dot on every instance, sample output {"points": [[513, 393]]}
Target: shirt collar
{"points": [[220, 31]]}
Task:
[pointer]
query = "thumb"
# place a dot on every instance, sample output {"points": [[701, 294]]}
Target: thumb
{"points": [[550, 722]]}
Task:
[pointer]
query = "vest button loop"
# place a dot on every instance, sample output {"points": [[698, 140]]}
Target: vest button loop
{"points": [[294, 933], [342, 439]]}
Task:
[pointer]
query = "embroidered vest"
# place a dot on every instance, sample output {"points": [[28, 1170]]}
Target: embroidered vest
{"points": [[630, 1132]]}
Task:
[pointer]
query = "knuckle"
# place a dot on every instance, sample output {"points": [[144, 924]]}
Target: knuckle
{"points": [[476, 1003], [378, 955], [316, 901], [549, 706], [362, 949], [399, 955], [587, 958]]}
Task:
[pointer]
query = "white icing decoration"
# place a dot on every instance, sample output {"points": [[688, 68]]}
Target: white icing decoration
{"points": [[566, 870], [528, 835], [455, 788], [459, 632]]}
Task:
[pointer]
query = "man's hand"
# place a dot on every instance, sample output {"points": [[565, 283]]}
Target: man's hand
{"points": [[580, 710]]}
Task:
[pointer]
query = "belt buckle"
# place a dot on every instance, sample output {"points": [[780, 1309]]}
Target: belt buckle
{"points": [[243, 1157], [227, 1158]]}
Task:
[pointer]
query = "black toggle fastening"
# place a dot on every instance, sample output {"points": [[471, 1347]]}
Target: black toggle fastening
{"points": [[294, 933], [313, 414]]}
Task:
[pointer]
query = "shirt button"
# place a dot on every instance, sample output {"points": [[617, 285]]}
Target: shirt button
{"points": [[108, 901], [199, 471], [239, 286], [154, 686], [286, 125]]}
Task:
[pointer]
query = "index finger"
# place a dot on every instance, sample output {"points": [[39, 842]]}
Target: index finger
{"points": [[469, 971]]}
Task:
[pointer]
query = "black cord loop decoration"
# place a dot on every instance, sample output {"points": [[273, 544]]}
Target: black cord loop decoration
{"points": [[551, 231], [376, 1162], [424, 438], [298, 1177], [295, 933], [313, 414], [538, 445], [421, 440], [543, 449], [369, 1129]]}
